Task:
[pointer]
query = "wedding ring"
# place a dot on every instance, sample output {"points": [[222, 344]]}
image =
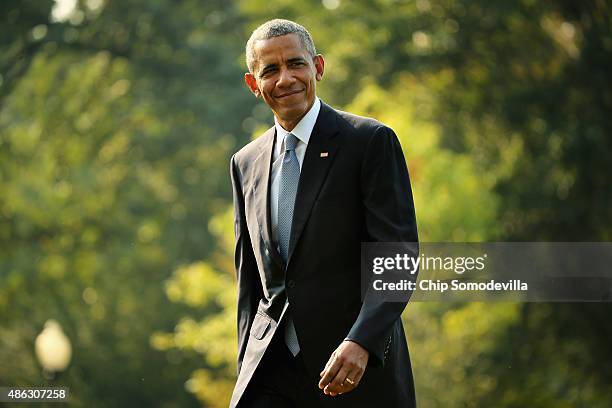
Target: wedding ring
{"points": [[348, 380]]}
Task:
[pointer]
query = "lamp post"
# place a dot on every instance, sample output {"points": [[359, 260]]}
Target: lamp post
{"points": [[53, 349]]}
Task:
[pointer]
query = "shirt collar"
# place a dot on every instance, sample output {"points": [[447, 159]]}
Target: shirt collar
{"points": [[303, 129]]}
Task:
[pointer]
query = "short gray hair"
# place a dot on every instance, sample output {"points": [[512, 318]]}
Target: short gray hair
{"points": [[277, 28]]}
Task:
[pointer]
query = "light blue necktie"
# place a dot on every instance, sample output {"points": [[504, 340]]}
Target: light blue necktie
{"points": [[289, 179]]}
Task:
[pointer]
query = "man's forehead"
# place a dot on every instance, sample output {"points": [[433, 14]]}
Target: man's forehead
{"points": [[285, 46]]}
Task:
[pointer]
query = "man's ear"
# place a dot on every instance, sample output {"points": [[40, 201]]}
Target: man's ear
{"points": [[319, 64], [249, 80]]}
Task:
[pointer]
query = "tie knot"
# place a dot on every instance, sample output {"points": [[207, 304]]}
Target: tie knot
{"points": [[290, 141]]}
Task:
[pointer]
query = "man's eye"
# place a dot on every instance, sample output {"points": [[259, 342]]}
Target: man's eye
{"points": [[269, 71]]}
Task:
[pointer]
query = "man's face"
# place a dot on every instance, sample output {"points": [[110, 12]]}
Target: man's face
{"points": [[285, 74]]}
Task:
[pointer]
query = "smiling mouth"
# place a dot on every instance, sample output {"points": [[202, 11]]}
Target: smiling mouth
{"points": [[289, 94]]}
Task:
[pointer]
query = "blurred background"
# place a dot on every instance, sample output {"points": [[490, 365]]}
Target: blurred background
{"points": [[117, 121]]}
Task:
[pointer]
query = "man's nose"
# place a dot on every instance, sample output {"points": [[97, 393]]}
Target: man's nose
{"points": [[285, 78]]}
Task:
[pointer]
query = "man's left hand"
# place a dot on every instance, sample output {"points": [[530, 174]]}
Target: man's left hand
{"points": [[344, 369]]}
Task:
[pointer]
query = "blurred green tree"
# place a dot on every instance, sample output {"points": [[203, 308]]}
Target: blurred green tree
{"points": [[115, 121]]}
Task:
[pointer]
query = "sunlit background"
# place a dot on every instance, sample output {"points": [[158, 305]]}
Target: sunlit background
{"points": [[117, 121]]}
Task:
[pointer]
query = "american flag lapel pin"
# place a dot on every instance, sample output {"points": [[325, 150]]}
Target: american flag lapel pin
{"points": [[324, 154]]}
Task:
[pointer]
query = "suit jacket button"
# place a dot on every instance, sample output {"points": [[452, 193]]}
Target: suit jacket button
{"points": [[267, 252], [291, 284]]}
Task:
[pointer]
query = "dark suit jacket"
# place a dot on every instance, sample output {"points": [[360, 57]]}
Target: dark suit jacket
{"points": [[359, 192]]}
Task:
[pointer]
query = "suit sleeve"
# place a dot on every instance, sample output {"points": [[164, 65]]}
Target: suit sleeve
{"points": [[389, 217], [247, 276]]}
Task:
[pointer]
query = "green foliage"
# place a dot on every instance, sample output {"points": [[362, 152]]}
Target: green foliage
{"points": [[453, 199], [214, 337], [112, 152]]}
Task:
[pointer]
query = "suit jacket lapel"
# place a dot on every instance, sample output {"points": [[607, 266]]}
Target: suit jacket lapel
{"points": [[314, 170], [261, 188]]}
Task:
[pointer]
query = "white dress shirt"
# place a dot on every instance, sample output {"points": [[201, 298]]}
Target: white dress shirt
{"points": [[302, 131]]}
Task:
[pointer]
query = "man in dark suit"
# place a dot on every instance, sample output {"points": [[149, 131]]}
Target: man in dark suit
{"points": [[307, 193]]}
